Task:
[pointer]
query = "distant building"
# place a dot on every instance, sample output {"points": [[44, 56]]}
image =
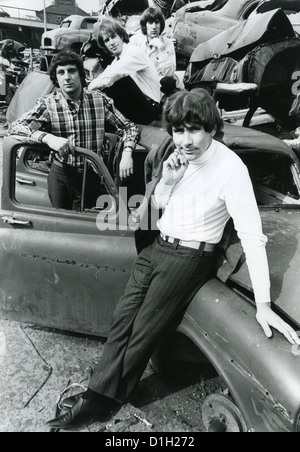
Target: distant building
{"points": [[60, 10]]}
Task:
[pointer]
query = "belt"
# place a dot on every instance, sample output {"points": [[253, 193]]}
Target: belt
{"points": [[202, 246]]}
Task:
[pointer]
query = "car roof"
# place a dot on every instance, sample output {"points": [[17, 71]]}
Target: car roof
{"points": [[77, 19], [243, 138], [237, 138]]}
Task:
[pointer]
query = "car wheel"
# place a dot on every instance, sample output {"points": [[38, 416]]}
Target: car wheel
{"points": [[220, 414]]}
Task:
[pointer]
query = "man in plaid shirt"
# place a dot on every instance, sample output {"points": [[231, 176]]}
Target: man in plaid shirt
{"points": [[73, 116]]}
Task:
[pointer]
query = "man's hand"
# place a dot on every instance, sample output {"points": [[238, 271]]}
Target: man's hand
{"points": [[126, 165], [174, 168], [157, 43], [268, 318], [61, 145]]}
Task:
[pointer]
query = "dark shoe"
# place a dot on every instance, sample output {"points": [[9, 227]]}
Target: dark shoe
{"points": [[70, 401], [85, 411]]}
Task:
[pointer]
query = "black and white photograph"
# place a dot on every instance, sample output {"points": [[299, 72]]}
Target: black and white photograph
{"points": [[149, 218]]}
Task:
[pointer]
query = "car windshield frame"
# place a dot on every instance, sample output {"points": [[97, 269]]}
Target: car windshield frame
{"points": [[293, 165]]}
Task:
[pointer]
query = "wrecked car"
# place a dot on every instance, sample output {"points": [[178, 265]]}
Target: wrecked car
{"points": [[66, 269], [195, 23], [253, 64], [15, 67], [73, 32]]}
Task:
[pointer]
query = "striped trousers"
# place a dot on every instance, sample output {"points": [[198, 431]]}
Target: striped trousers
{"points": [[164, 280]]}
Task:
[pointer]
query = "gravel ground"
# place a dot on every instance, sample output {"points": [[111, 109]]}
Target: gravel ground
{"points": [[38, 364]]}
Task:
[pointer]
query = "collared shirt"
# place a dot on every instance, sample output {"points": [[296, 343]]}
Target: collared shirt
{"points": [[134, 62], [214, 188], [82, 123], [164, 60]]}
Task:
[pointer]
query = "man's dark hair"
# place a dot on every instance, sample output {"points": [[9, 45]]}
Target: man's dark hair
{"points": [[194, 107], [65, 58], [151, 15], [109, 26]]}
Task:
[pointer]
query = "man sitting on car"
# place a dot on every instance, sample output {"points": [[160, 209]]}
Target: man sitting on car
{"points": [[199, 186], [131, 80], [74, 116]]}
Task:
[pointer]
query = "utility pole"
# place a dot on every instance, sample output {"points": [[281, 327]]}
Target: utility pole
{"points": [[45, 17]]}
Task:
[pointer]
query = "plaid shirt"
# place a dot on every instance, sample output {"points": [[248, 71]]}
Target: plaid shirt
{"points": [[82, 123]]}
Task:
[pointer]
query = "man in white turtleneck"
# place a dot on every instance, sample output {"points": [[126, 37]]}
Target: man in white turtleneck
{"points": [[203, 185]]}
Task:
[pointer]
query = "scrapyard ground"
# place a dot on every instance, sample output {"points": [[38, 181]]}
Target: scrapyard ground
{"points": [[37, 364]]}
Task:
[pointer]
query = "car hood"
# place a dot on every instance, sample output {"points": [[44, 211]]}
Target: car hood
{"points": [[282, 227]]}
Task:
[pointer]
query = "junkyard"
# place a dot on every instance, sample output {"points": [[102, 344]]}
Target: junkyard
{"points": [[63, 270]]}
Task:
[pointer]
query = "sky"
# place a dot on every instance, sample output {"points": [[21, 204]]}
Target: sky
{"points": [[86, 5]]}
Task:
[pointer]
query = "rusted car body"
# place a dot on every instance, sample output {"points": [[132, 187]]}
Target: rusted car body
{"points": [[67, 270], [194, 23], [73, 32], [263, 51]]}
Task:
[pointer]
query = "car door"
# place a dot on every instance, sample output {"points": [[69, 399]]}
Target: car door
{"points": [[59, 268]]}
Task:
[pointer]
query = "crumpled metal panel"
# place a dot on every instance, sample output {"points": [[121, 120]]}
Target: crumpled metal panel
{"points": [[262, 374], [238, 40]]}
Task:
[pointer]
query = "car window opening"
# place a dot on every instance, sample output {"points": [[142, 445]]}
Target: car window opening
{"points": [[31, 182], [272, 177]]}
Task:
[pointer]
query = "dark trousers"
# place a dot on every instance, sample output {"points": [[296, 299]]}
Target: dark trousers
{"points": [[131, 101], [163, 282], [65, 187]]}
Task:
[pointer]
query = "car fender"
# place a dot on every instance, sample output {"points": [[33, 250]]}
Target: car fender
{"points": [[262, 374]]}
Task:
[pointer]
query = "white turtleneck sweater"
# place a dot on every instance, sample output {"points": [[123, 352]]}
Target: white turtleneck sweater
{"points": [[214, 188]]}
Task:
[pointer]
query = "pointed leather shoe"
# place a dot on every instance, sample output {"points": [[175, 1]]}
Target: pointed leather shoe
{"points": [[83, 412], [69, 402]]}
